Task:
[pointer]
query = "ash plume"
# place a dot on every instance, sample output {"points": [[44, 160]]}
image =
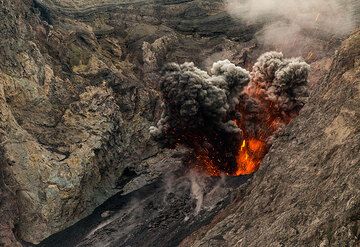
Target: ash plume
{"points": [[281, 83], [295, 24], [217, 114], [195, 100], [197, 190]]}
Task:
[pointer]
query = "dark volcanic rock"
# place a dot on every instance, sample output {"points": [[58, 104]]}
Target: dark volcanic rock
{"points": [[307, 191], [78, 93], [161, 213]]}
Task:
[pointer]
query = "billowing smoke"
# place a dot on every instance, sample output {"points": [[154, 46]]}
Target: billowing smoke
{"points": [[294, 24], [281, 83], [195, 100], [197, 192], [276, 93], [229, 112]]}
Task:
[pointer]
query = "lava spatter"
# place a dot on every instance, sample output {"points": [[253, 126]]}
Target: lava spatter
{"points": [[228, 116]]}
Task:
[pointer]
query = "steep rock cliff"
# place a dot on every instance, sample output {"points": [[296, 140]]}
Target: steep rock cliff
{"points": [[78, 92], [306, 192]]}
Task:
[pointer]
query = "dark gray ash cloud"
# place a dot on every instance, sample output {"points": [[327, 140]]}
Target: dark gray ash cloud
{"points": [[203, 111], [193, 99], [279, 81]]}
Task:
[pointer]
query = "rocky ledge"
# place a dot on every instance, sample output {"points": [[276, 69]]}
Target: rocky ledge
{"points": [[78, 92]]}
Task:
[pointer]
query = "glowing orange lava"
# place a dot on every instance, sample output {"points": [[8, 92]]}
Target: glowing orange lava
{"points": [[207, 164], [249, 157], [245, 156]]}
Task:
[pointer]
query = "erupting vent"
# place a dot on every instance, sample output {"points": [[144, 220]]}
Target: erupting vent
{"points": [[229, 116]]}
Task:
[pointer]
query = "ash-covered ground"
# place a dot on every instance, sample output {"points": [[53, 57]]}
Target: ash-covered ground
{"points": [[162, 213]]}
